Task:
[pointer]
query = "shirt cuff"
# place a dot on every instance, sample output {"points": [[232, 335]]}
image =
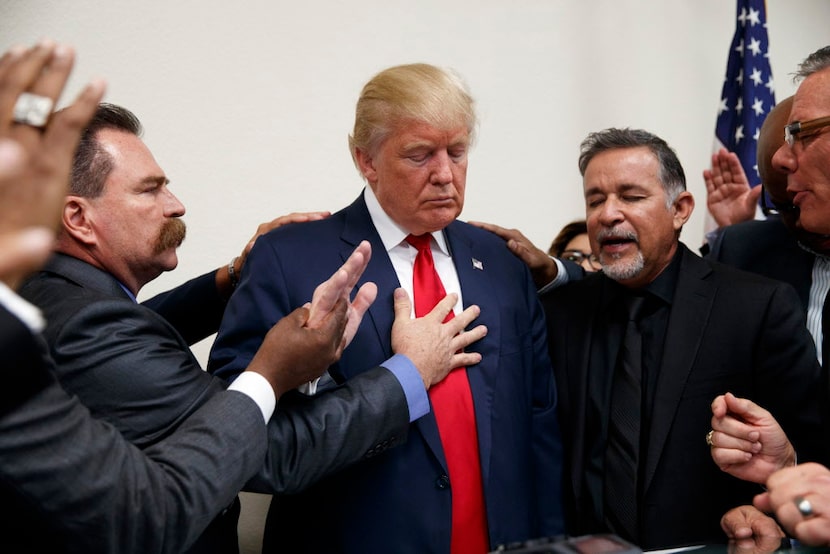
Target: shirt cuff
{"points": [[259, 390], [560, 279], [413, 386], [25, 312]]}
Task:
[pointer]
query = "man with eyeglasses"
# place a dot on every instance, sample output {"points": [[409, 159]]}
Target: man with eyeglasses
{"points": [[747, 440], [777, 247]]}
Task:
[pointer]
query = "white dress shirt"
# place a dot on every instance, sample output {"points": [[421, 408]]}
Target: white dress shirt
{"points": [[402, 254]]}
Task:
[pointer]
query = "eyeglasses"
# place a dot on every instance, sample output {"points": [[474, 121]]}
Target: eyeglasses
{"points": [[770, 207], [578, 257], [799, 130]]}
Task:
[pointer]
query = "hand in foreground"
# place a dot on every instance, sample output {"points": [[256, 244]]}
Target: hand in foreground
{"points": [[785, 488], [338, 287], [293, 353], [36, 160], [542, 267], [21, 251], [729, 197], [435, 348], [747, 441], [751, 531]]}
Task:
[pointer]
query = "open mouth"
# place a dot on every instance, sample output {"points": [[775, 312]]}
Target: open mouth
{"points": [[616, 242]]}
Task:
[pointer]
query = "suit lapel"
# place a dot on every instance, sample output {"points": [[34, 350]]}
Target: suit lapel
{"points": [[690, 311], [471, 265], [358, 226], [381, 314]]}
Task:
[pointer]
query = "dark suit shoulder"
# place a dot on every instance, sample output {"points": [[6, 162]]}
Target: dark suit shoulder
{"points": [[59, 297], [728, 273], [744, 242], [119, 357], [297, 234]]}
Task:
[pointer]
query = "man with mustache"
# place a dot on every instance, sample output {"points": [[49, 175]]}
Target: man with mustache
{"points": [[132, 367], [635, 385]]}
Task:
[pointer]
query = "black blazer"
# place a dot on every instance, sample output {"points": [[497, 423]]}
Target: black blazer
{"points": [[769, 249], [727, 331]]}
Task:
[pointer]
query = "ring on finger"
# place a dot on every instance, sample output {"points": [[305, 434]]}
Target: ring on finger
{"points": [[804, 506], [709, 438], [32, 109]]}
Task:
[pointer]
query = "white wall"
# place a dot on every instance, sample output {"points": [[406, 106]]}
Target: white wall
{"points": [[247, 105]]}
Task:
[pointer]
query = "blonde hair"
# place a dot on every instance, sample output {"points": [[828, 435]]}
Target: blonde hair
{"points": [[413, 92]]}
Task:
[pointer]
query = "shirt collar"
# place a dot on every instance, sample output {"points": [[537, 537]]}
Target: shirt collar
{"points": [[391, 234], [663, 285]]}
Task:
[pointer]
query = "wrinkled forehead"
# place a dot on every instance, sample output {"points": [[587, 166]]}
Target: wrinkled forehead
{"points": [[812, 99]]}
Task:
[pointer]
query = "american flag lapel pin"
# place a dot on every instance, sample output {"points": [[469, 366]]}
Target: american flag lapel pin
{"points": [[478, 265]]}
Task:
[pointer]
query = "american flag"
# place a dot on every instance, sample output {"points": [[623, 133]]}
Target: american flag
{"points": [[748, 90]]}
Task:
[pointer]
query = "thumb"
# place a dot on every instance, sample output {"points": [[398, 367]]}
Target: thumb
{"points": [[403, 307], [747, 409], [755, 194]]}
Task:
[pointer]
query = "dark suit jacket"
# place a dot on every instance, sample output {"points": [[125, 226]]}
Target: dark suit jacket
{"points": [[769, 249], [130, 367], [727, 331], [71, 483], [400, 502]]}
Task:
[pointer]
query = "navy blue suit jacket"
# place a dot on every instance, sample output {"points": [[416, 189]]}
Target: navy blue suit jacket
{"points": [[400, 501]]}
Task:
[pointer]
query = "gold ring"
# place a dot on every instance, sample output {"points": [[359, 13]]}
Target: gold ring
{"points": [[709, 438]]}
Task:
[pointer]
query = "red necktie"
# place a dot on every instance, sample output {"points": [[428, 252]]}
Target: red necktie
{"points": [[452, 404]]}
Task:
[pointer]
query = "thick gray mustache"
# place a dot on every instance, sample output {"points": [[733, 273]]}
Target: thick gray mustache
{"points": [[612, 234]]}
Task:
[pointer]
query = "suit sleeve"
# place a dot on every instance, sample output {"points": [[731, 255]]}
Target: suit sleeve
{"points": [[547, 441], [130, 368], [312, 437], [791, 383], [79, 477], [194, 308]]}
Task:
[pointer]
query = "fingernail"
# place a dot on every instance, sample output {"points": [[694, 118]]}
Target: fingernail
{"points": [[46, 43], [63, 52]]}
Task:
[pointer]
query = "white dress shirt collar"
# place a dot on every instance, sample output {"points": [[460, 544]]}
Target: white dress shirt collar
{"points": [[392, 234]]}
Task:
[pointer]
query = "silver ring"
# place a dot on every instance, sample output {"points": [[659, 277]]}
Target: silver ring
{"points": [[803, 506], [32, 109], [709, 438]]}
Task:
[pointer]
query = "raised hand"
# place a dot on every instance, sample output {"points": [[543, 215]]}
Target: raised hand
{"points": [[338, 287], [729, 197], [36, 156]]}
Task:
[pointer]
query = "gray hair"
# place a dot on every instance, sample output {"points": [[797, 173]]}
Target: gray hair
{"points": [[815, 62], [672, 176]]}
